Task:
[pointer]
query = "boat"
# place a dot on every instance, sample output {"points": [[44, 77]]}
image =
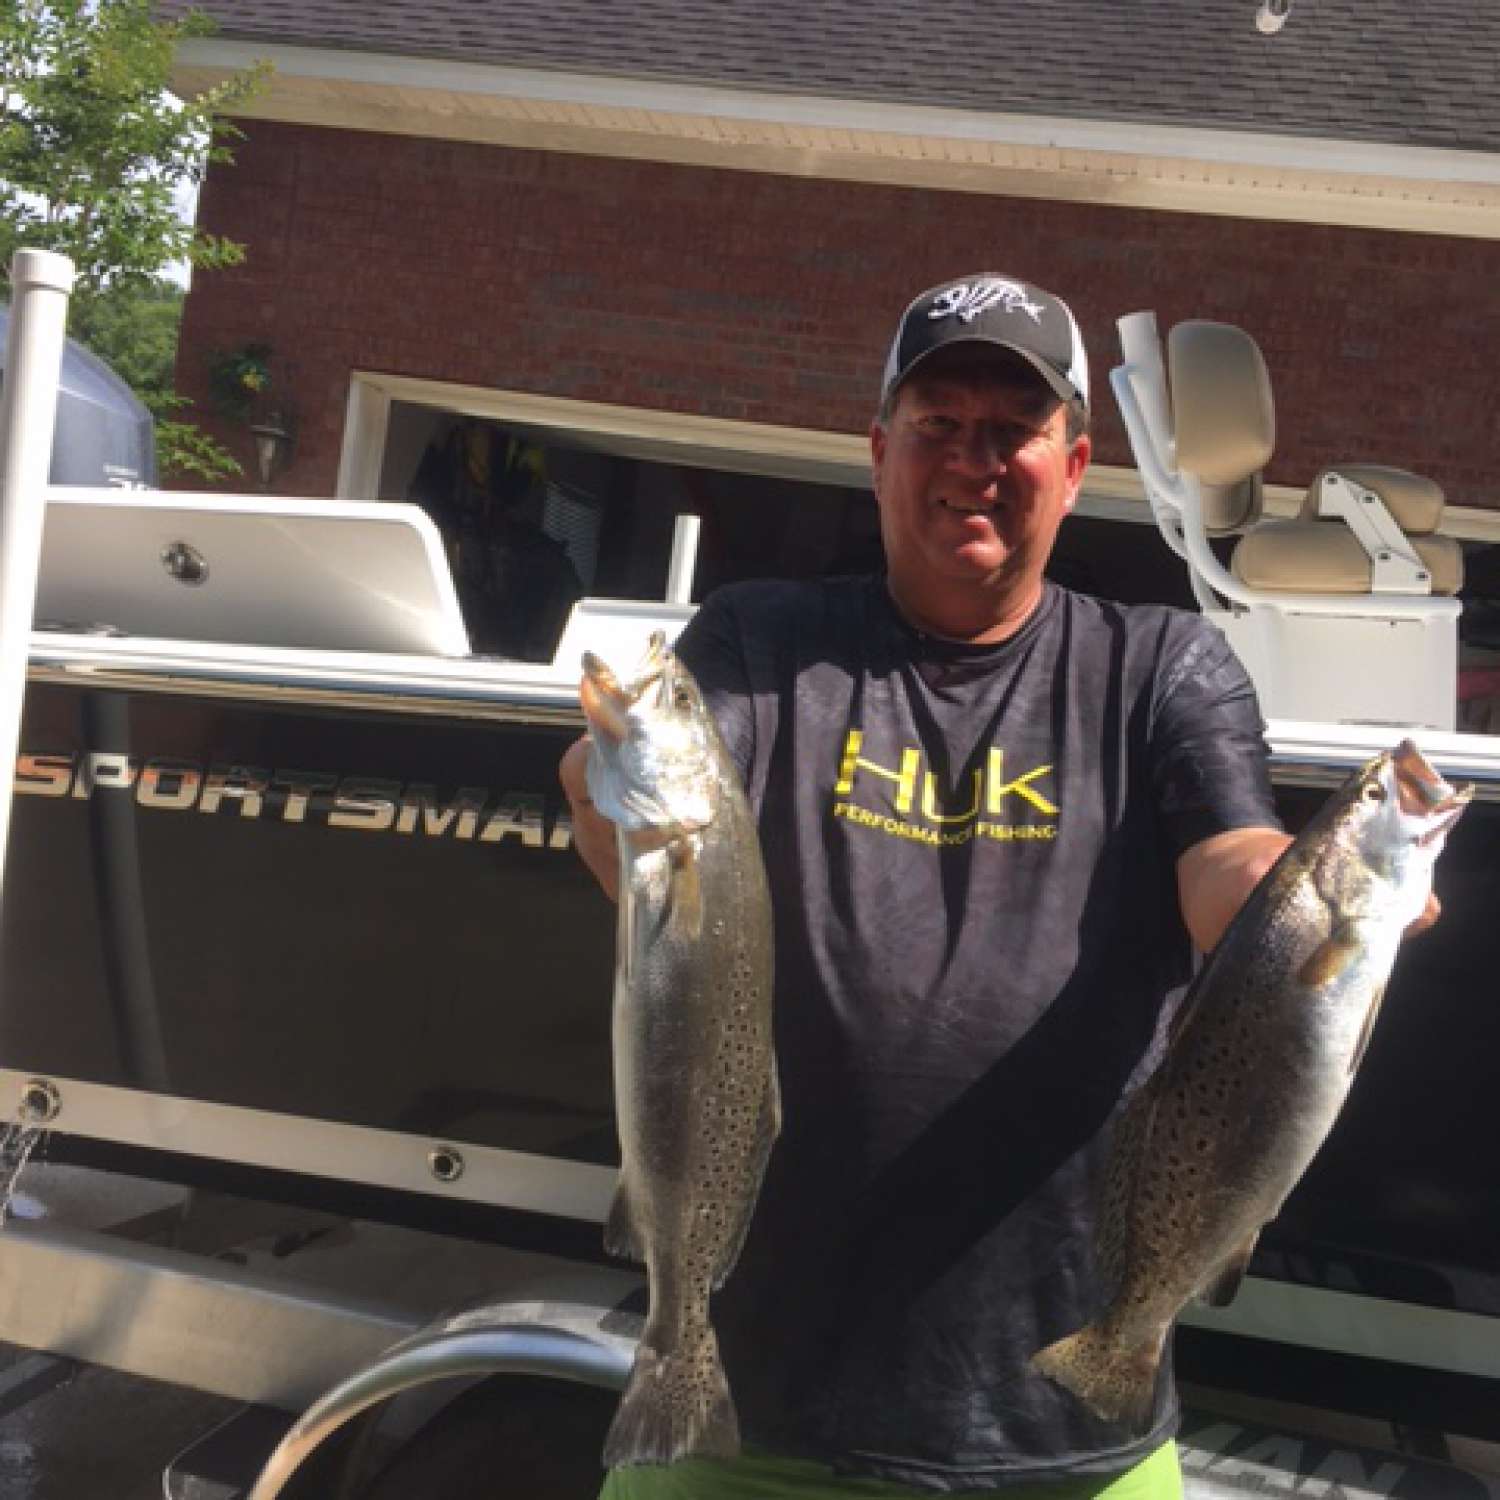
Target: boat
{"points": [[292, 921]]}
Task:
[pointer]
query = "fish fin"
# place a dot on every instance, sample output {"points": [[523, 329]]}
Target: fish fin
{"points": [[1330, 958], [676, 1404], [1362, 1045], [1184, 1013], [767, 1128], [622, 1237], [685, 903], [1115, 1380], [1220, 1292]]}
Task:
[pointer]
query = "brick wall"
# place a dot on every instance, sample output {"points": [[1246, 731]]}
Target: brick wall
{"points": [[769, 299]]}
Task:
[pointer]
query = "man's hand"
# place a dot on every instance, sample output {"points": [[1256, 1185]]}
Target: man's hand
{"points": [[593, 833], [1215, 878]]}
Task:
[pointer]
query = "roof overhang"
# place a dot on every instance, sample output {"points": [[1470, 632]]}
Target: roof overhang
{"points": [[1124, 164]]}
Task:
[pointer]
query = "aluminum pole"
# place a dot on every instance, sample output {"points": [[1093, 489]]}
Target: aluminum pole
{"points": [[39, 284]]}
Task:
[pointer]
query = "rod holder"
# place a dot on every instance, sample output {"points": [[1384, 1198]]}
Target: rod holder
{"points": [[684, 560]]}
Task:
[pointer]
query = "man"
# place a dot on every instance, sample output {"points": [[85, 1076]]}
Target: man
{"points": [[997, 816]]}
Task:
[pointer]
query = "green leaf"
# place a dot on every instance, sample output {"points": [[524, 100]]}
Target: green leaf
{"points": [[92, 145], [93, 149], [183, 449]]}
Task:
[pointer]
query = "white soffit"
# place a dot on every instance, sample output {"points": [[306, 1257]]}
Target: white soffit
{"points": [[1110, 491], [1236, 173]]}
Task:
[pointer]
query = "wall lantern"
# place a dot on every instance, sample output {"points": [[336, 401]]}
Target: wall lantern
{"points": [[242, 390], [273, 448]]}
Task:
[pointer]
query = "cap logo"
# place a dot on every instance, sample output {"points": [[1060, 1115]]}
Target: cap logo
{"points": [[968, 300]]}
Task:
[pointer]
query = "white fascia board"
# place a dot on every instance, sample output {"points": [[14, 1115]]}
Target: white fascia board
{"points": [[1132, 138]]}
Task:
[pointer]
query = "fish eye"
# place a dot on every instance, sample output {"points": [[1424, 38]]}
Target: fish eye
{"points": [[1374, 792]]}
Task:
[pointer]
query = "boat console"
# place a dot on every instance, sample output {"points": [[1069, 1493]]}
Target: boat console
{"points": [[330, 575]]}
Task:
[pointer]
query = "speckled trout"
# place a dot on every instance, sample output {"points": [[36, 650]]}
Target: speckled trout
{"points": [[1258, 1065], [695, 1082]]}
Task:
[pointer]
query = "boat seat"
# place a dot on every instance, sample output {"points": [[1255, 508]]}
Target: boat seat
{"points": [[1223, 420], [1318, 554], [1225, 429], [1359, 574]]}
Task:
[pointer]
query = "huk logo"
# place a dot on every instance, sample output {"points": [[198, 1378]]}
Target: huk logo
{"points": [[967, 300], [997, 805]]}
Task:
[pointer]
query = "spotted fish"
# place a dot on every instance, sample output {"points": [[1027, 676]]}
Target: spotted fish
{"points": [[1259, 1063], [695, 1084]]}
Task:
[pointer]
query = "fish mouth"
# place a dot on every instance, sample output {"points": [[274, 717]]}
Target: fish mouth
{"points": [[607, 701], [1423, 795]]}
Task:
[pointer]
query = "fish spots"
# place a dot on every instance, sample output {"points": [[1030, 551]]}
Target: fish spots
{"points": [[690, 1379], [1255, 1070], [696, 1003], [706, 1232]]}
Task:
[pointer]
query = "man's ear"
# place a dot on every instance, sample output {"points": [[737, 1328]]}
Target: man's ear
{"points": [[1079, 453], [877, 454]]}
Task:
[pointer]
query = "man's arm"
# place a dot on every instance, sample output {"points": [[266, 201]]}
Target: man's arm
{"points": [[1215, 878], [593, 834], [1210, 768]]}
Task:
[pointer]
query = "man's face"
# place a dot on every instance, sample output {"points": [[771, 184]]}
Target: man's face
{"points": [[973, 473]]}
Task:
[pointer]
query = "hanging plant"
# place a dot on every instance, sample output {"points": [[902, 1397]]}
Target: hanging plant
{"points": [[239, 380]]}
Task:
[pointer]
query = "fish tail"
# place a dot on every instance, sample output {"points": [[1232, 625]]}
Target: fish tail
{"points": [[676, 1404], [1114, 1378]]}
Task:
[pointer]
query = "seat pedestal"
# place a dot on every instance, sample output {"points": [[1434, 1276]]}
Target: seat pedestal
{"points": [[1346, 669]]}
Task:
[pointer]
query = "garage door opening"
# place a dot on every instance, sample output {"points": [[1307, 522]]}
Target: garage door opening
{"points": [[536, 518], [538, 512]]}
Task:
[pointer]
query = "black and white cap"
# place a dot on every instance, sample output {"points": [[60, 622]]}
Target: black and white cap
{"points": [[993, 309]]}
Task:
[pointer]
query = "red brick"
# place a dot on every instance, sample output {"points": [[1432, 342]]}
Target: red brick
{"points": [[770, 298]]}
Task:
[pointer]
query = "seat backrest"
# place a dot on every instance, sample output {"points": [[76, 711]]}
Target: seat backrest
{"points": [[1223, 419], [1414, 501]]}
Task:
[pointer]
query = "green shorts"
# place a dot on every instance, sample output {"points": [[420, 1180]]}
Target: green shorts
{"points": [[760, 1476]]}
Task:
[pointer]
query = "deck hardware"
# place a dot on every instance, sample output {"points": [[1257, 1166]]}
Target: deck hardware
{"points": [[40, 1102], [446, 1163], [185, 563]]}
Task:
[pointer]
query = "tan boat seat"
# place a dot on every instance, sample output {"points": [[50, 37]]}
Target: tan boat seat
{"points": [[1223, 420], [1415, 502], [1360, 575], [1320, 555]]}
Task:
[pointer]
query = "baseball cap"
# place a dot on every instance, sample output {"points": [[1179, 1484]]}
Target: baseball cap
{"points": [[992, 309]]}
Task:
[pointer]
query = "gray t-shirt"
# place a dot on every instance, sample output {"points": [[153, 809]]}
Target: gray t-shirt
{"points": [[972, 857]]}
